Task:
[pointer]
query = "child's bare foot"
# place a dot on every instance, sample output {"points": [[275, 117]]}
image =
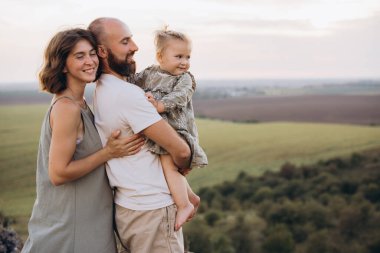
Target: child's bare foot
{"points": [[196, 201], [182, 215]]}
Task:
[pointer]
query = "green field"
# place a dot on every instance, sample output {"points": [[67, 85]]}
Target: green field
{"points": [[231, 148]]}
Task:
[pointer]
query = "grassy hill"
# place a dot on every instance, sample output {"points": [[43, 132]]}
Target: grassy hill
{"points": [[231, 148], [254, 148]]}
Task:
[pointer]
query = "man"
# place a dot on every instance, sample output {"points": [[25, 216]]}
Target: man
{"points": [[144, 209]]}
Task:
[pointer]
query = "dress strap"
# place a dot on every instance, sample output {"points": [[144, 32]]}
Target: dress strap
{"points": [[84, 107], [55, 101]]}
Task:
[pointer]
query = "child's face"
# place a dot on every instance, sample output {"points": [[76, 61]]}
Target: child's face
{"points": [[175, 58]]}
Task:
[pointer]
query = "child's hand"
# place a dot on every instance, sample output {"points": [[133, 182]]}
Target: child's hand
{"points": [[151, 99], [157, 104]]}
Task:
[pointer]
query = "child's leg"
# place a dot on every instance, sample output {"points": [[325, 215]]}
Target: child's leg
{"points": [[194, 199], [178, 188]]}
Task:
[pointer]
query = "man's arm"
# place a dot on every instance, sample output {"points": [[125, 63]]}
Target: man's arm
{"points": [[165, 136]]}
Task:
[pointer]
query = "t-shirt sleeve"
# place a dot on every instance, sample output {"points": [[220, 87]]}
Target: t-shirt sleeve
{"points": [[136, 110]]}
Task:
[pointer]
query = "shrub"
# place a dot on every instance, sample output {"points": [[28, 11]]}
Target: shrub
{"points": [[374, 246], [197, 236], [263, 193], [348, 187], [318, 242], [372, 192], [212, 217], [279, 240], [10, 241], [222, 244], [241, 235], [288, 170]]}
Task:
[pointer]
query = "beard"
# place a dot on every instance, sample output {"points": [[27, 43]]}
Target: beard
{"points": [[122, 67]]}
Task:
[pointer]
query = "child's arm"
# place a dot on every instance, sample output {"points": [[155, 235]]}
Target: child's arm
{"points": [[180, 96]]}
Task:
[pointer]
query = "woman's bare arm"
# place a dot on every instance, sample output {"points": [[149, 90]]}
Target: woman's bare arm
{"points": [[65, 119]]}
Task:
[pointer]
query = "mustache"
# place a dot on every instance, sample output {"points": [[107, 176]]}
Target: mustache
{"points": [[130, 56]]}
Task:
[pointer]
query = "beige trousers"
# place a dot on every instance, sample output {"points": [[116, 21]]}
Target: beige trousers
{"points": [[148, 231]]}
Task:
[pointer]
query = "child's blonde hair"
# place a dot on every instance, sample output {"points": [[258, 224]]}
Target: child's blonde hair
{"points": [[163, 36]]}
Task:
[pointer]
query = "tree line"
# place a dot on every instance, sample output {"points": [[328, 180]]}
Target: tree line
{"points": [[332, 206]]}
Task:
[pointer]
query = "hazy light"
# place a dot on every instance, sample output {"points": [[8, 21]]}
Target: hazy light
{"points": [[234, 39]]}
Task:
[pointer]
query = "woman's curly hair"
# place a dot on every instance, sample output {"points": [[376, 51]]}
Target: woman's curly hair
{"points": [[52, 77]]}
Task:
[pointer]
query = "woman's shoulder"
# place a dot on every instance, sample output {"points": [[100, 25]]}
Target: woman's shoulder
{"points": [[65, 104], [65, 107], [65, 111]]}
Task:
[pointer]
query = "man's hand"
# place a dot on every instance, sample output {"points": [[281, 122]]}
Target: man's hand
{"points": [[184, 172]]}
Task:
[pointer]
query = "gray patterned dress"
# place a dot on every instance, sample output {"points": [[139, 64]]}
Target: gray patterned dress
{"points": [[75, 217], [175, 92]]}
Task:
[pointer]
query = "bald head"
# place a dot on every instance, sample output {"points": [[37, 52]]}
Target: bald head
{"points": [[99, 25], [116, 47]]}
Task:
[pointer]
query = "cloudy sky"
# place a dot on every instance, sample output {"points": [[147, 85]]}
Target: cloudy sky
{"points": [[240, 39]]}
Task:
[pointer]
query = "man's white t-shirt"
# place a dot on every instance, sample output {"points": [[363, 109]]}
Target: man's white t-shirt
{"points": [[138, 179]]}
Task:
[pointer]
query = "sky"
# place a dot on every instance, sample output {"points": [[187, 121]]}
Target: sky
{"points": [[231, 39]]}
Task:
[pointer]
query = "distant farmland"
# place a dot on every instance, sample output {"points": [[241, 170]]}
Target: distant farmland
{"points": [[343, 109]]}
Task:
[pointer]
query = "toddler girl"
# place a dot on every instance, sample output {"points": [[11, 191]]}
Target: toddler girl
{"points": [[169, 87]]}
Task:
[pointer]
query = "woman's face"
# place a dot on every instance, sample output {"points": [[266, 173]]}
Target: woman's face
{"points": [[82, 63]]}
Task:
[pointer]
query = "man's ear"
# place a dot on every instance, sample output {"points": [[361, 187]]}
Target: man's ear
{"points": [[102, 51]]}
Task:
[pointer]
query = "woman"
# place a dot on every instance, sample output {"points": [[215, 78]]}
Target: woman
{"points": [[73, 208]]}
